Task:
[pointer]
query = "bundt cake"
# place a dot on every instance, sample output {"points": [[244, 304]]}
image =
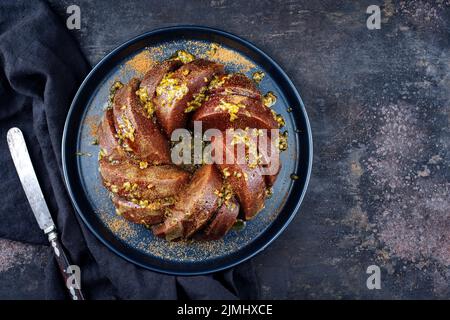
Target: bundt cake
{"points": [[202, 200]]}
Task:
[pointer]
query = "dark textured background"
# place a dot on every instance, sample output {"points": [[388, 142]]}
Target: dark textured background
{"points": [[378, 102]]}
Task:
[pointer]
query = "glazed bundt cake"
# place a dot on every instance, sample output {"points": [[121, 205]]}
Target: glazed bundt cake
{"points": [[201, 201]]}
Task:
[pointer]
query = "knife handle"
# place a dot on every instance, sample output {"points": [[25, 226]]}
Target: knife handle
{"points": [[63, 263]]}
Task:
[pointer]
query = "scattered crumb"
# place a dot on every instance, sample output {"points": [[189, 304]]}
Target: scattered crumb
{"points": [[141, 62], [227, 56], [118, 225], [83, 154], [92, 122]]}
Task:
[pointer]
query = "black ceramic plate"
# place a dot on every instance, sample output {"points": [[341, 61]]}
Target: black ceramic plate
{"points": [[134, 242]]}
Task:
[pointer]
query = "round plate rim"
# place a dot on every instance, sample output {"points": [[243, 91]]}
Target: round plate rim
{"points": [[240, 40]]}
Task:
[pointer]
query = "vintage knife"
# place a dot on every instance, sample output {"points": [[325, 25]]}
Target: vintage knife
{"points": [[30, 184]]}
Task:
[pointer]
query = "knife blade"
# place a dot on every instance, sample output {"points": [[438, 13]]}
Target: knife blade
{"points": [[27, 176], [33, 192]]}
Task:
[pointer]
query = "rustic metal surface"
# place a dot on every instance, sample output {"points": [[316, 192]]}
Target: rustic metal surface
{"points": [[378, 102]]}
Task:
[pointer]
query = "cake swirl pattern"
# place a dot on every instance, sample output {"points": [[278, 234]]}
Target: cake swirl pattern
{"points": [[178, 202]]}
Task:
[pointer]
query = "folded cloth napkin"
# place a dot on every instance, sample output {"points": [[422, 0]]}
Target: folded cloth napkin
{"points": [[41, 67]]}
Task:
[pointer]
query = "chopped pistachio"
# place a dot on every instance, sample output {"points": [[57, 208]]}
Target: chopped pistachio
{"points": [[142, 94], [149, 107], [225, 194], [283, 141], [217, 81], [143, 164], [237, 174], [126, 186], [116, 86], [214, 83], [184, 56], [112, 92], [231, 108], [102, 153], [126, 129], [143, 203], [196, 103], [279, 119], [226, 173], [213, 49], [269, 99], [146, 101], [172, 89], [258, 76]]}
